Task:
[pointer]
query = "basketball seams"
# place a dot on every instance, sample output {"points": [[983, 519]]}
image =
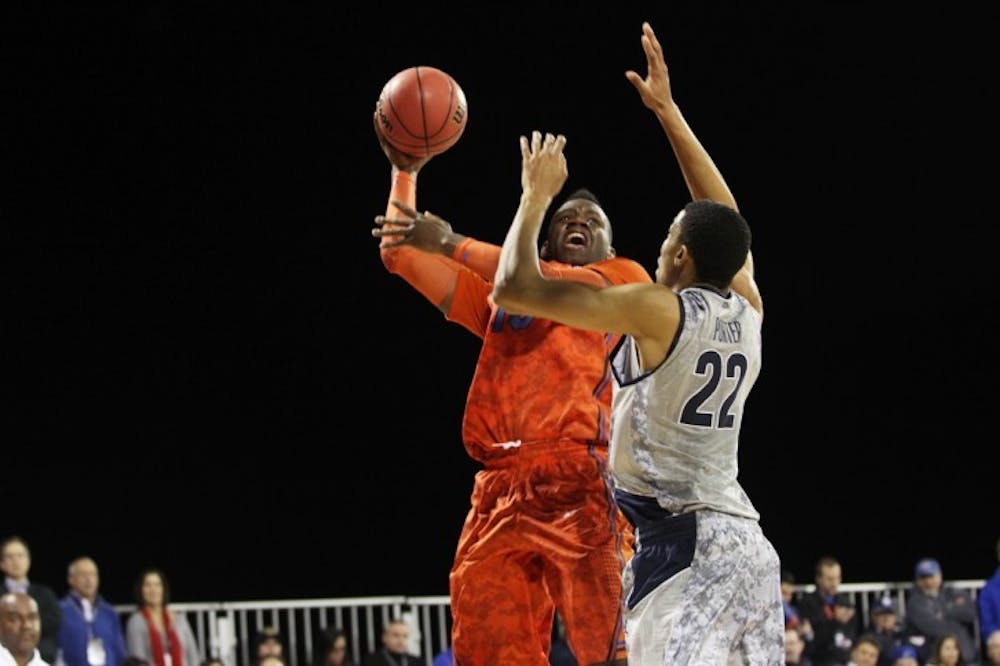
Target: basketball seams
{"points": [[401, 97], [423, 111]]}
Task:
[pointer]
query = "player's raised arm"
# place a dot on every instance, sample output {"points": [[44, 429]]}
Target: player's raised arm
{"points": [[519, 285], [702, 176], [704, 180]]}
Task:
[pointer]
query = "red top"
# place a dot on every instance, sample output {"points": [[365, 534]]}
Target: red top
{"points": [[537, 380]]}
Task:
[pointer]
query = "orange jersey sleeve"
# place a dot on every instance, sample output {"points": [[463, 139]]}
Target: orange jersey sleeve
{"points": [[619, 270], [471, 302], [482, 258], [616, 270]]}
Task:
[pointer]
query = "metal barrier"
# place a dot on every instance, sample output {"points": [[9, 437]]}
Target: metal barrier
{"points": [[226, 630]]}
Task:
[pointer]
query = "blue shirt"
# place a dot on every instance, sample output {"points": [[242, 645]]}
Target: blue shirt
{"points": [[989, 606], [75, 632]]}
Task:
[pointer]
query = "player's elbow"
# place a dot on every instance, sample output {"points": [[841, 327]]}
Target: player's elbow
{"points": [[389, 256], [507, 292]]}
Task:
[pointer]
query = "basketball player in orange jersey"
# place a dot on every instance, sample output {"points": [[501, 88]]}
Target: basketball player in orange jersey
{"points": [[543, 532]]}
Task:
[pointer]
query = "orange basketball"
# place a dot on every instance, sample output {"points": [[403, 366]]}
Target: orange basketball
{"points": [[422, 111]]}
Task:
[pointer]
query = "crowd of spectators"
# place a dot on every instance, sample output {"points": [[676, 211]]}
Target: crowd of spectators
{"points": [[939, 625]]}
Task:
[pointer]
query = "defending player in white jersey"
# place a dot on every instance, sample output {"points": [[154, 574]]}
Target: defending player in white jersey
{"points": [[704, 584]]}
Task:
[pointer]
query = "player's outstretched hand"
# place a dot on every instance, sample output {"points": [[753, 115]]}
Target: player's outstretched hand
{"points": [[655, 88], [543, 163]]}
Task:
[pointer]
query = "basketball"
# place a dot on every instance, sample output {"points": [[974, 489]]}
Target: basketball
{"points": [[422, 111]]}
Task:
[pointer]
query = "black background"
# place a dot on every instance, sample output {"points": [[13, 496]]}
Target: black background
{"points": [[208, 369]]}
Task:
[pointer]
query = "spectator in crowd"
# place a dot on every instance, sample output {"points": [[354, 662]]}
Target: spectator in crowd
{"points": [[993, 648], [21, 628], [905, 655], [886, 630], [155, 632], [795, 649], [393, 652], [934, 610], [788, 603], [445, 657], [790, 607], [989, 602], [268, 643], [90, 633], [864, 651], [946, 652], [15, 562], [834, 625], [333, 649], [271, 660]]}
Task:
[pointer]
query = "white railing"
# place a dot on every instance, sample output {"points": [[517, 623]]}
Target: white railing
{"points": [[226, 629]]}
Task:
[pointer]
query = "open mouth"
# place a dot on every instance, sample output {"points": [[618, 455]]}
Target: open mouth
{"points": [[576, 239]]}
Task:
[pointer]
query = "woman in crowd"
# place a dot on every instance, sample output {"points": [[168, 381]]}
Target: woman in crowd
{"points": [[154, 632]]}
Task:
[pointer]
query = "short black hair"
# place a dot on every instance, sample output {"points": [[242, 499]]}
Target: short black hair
{"points": [[583, 193], [718, 238]]}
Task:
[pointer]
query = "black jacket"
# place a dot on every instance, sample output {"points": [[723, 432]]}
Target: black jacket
{"points": [[385, 658]]}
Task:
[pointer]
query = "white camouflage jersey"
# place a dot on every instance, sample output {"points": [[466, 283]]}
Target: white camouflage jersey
{"points": [[677, 427]]}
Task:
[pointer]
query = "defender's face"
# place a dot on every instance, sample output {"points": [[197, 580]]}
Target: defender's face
{"points": [[667, 272], [579, 233]]}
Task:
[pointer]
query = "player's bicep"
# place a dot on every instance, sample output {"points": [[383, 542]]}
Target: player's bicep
{"points": [[744, 285], [469, 304], [616, 309]]}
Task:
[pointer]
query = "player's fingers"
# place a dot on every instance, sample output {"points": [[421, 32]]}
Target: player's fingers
{"points": [[403, 208], [639, 84], [560, 142], [653, 41], [536, 141], [525, 152], [392, 231], [400, 221]]}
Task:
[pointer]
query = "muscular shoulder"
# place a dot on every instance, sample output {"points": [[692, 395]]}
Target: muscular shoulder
{"points": [[621, 270]]}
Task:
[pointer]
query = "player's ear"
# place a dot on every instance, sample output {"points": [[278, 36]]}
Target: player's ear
{"points": [[544, 252], [611, 252], [682, 255]]}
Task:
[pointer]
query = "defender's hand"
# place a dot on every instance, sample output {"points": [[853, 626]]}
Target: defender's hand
{"points": [[543, 164], [655, 88], [424, 231]]}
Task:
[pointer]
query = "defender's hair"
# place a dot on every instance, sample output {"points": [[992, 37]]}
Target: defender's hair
{"points": [[718, 238]]}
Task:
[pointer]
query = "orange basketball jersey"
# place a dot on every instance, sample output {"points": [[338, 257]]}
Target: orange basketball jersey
{"points": [[537, 380]]}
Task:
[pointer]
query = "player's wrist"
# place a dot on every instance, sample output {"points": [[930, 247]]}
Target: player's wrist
{"points": [[401, 173], [535, 197], [450, 244]]}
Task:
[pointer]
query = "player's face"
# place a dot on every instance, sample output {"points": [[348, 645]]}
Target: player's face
{"points": [[667, 271], [579, 233]]}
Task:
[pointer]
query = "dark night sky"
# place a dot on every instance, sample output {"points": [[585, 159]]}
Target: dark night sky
{"points": [[208, 369]]}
